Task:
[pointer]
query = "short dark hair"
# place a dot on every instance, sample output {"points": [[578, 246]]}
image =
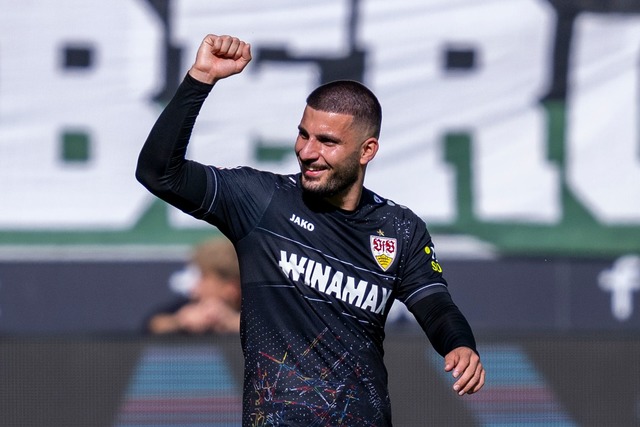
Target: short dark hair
{"points": [[352, 98]]}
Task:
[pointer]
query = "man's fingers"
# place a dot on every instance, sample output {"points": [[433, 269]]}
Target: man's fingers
{"points": [[231, 48], [457, 362], [219, 57], [226, 46], [480, 383], [475, 383], [226, 42], [465, 366], [450, 361], [472, 379], [214, 42], [244, 52]]}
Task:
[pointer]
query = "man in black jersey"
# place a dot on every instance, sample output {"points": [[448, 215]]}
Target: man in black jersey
{"points": [[322, 258]]}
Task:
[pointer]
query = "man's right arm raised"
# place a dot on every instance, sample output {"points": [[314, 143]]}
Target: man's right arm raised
{"points": [[162, 167]]}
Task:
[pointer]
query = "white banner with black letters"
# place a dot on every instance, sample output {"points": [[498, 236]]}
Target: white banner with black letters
{"points": [[514, 122]]}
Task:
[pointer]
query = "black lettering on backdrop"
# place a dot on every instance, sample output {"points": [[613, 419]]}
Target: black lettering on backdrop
{"points": [[172, 62]]}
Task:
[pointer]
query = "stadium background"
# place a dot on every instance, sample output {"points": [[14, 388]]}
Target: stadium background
{"points": [[510, 126]]}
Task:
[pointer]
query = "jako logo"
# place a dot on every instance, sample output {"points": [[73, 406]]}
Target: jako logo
{"points": [[302, 222]]}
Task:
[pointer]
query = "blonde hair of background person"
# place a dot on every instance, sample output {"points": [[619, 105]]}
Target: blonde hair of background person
{"points": [[215, 297]]}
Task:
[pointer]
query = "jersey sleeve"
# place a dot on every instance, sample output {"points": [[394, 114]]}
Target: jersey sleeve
{"points": [[230, 199], [422, 275], [237, 198], [425, 293], [162, 167]]}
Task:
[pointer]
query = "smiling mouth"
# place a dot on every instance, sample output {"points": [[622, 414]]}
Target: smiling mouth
{"points": [[313, 171]]}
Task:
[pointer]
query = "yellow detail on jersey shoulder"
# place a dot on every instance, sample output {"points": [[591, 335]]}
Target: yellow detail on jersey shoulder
{"points": [[436, 267]]}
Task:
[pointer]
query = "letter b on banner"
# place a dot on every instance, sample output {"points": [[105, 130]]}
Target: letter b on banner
{"points": [[81, 73]]}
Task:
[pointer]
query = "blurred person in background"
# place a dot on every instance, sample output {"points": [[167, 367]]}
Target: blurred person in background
{"points": [[214, 294]]}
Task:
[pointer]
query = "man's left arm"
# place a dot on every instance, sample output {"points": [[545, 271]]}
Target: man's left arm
{"points": [[452, 337]]}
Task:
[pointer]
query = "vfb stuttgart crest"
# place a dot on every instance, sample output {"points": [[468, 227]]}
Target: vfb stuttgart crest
{"points": [[384, 250]]}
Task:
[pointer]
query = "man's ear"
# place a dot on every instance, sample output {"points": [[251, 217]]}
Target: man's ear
{"points": [[369, 150]]}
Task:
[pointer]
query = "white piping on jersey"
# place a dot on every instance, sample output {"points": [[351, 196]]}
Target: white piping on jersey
{"points": [[318, 300], [362, 320], [275, 286], [215, 189], [422, 289]]}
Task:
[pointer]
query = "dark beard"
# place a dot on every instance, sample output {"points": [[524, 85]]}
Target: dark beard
{"points": [[341, 181]]}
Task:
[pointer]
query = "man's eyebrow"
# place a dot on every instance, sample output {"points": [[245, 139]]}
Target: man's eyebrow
{"points": [[323, 137]]}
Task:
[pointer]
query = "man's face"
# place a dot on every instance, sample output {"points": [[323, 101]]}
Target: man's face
{"points": [[329, 151]]}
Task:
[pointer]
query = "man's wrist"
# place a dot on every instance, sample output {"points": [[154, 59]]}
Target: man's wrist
{"points": [[201, 76]]}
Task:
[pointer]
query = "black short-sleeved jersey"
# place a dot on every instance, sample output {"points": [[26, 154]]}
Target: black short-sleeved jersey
{"points": [[317, 284]]}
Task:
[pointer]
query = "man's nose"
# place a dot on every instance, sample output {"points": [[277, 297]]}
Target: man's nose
{"points": [[310, 149]]}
